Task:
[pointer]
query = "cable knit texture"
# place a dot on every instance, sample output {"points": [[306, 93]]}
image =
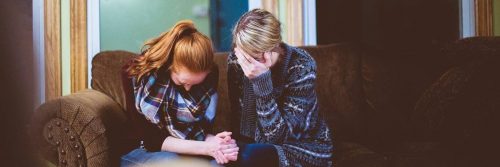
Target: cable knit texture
{"points": [[280, 107]]}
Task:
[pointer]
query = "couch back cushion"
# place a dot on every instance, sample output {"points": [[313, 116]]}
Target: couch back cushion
{"points": [[393, 81], [338, 85], [107, 78], [222, 121], [339, 90], [462, 104], [107, 74]]}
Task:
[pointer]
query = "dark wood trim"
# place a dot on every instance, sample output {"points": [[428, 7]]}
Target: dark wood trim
{"points": [[484, 17]]}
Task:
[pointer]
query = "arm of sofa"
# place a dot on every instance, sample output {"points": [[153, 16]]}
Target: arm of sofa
{"points": [[461, 104], [79, 129]]}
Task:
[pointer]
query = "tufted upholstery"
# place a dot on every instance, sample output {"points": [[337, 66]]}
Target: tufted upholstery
{"points": [[75, 130]]}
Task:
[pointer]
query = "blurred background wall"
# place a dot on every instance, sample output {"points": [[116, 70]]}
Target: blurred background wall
{"points": [[16, 80], [127, 24]]}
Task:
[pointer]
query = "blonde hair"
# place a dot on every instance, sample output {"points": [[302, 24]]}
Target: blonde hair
{"points": [[257, 31], [181, 46]]}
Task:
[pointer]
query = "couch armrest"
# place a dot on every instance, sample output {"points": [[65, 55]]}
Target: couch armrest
{"points": [[80, 129], [461, 105]]}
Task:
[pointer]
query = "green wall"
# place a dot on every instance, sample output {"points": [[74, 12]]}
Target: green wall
{"points": [[496, 17], [65, 48], [127, 24]]}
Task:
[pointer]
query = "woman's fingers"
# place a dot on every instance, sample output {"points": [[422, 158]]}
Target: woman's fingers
{"points": [[246, 58], [230, 150], [231, 154], [223, 158], [227, 138], [267, 58], [225, 146], [251, 67], [241, 57], [217, 158], [244, 66], [249, 58], [230, 145], [232, 157], [243, 62], [224, 134]]}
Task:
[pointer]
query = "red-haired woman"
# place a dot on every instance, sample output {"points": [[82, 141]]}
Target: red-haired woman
{"points": [[171, 99]]}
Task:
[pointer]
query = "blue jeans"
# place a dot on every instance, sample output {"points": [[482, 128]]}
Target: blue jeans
{"points": [[140, 157], [256, 155]]}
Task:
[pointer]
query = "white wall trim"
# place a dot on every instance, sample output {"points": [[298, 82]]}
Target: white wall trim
{"points": [[309, 22], [93, 35], [253, 4], [467, 19], [39, 51]]}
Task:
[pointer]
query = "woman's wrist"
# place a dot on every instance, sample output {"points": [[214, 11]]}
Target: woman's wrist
{"points": [[182, 146], [209, 136], [208, 148], [262, 84]]}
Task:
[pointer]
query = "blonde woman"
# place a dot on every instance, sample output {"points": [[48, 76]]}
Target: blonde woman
{"points": [[171, 100], [271, 87]]}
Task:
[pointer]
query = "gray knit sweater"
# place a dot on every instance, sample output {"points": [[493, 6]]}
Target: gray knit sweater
{"points": [[280, 107]]}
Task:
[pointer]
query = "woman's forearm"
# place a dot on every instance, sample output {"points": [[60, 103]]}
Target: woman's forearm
{"points": [[270, 120], [181, 146]]}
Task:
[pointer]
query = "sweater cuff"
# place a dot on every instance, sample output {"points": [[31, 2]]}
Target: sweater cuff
{"points": [[262, 84]]}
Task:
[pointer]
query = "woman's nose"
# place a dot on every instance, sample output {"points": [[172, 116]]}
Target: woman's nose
{"points": [[187, 87]]}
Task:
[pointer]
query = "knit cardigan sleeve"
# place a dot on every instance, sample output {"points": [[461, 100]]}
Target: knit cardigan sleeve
{"points": [[294, 112]]}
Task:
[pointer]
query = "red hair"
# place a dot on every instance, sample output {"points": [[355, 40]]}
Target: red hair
{"points": [[181, 46]]}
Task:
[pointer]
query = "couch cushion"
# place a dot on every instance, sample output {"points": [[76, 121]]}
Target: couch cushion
{"points": [[106, 74], [338, 87], [349, 154], [415, 154], [464, 98], [222, 121], [392, 83], [339, 90], [106, 78]]}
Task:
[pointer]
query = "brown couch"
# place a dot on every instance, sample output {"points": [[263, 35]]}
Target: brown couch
{"points": [[384, 110]]}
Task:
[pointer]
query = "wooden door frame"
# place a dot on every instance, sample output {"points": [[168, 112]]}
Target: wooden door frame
{"points": [[484, 17], [476, 18], [47, 44], [78, 43], [52, 48]]}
